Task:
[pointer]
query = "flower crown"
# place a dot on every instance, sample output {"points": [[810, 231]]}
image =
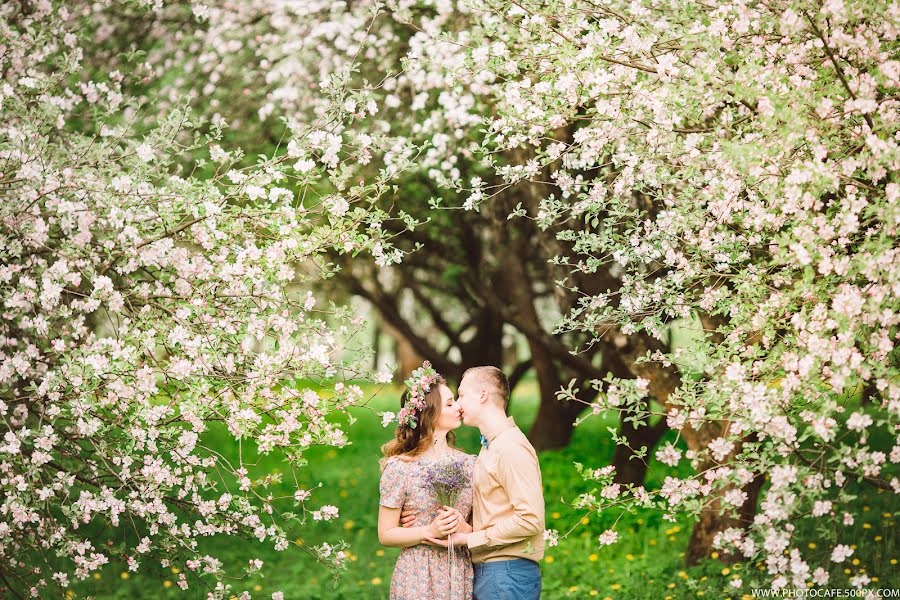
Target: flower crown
{"points": [[418, 384]]}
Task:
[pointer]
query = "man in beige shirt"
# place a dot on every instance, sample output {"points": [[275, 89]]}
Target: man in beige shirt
{"points": [[508, 501]]}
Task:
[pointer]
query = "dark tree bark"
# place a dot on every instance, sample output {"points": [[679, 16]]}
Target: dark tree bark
{"points": [[630, 469], [714, 520], [553, 426]]}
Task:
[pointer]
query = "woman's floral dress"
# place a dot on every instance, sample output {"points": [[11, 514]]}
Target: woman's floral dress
{"points": [[426, 572]]}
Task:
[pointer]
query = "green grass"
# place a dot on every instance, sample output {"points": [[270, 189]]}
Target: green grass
{"points": [[647, 562]]}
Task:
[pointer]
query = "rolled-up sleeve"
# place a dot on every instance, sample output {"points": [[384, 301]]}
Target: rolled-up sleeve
{"points": [[519, 473]]}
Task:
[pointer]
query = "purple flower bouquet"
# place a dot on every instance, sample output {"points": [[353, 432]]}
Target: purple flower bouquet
{"points": [[447, 478]]}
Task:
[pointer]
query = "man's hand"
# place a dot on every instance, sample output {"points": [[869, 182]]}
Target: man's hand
{"points": [[408, 517], [459, 539]]}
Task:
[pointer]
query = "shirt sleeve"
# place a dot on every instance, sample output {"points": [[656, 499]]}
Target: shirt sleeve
{"points": [[519, 472], [392, 487]]}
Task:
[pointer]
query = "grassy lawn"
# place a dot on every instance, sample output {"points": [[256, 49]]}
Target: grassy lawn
{"points": [[647, 562]]}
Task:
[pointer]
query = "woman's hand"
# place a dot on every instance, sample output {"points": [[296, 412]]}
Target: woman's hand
{"points": [[463, 526], [445, 523]]}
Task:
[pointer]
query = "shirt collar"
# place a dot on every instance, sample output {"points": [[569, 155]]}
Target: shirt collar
{"points": [[510, 423]]}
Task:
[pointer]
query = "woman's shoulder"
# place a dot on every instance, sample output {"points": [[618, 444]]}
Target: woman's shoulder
{"points": [[393, 463]]}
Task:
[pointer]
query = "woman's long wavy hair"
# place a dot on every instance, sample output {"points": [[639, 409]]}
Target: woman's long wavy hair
{"points": [[410, 442]]}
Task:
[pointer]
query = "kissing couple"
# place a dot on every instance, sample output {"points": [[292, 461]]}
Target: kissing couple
{"points": [[486, 540]]}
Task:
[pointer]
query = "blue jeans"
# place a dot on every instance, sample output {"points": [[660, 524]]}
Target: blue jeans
{"points": [[517, 579]]}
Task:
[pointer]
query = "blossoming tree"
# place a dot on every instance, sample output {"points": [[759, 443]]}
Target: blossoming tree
{"points": [[739, 164], [143, 304], [734, 166]]}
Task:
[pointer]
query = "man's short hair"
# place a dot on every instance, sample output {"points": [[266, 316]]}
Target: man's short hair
{"points": [[494, 380]]}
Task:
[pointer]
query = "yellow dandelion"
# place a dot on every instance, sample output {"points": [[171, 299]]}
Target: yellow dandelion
{"points": [[865, 509], [812, 545], [726, 571], [555, 515], [70, 594], [714, 555], [167, 584], [683, 574], [671, 586], [593, 558], [257, 588], [875, 579], [877, 538], [847, 571], [349, 524], [594, 593], [652, 542], [585, 521], [629, 556], [96, 575], [671, 538], [176, 570], [124, 575], [855, 561], [867, 526], [616, 586], [607, 598], [886, 515], [548, 559], [701, 593], [893, 561], [573, 588], [344, 493], [376, 581], [379, 552]]}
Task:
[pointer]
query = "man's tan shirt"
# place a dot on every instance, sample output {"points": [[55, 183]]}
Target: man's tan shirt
{"points": [[508, 500]]}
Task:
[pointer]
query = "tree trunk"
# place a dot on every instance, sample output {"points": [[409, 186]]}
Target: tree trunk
{"points": [[712, 522], [486, 346], [376, 346], [555, 420], [408, 360], [713, 519], [554, 424], [634, 470]]}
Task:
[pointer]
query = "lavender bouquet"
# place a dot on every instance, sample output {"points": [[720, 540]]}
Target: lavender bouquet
{"points": [[447, 478]]}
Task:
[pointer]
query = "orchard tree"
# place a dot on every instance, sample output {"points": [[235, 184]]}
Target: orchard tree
{"points": [[467, 275], [737, 163], [143, 305]]}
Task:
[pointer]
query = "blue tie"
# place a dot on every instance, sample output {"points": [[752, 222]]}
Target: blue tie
{"points": [[484, 442]]}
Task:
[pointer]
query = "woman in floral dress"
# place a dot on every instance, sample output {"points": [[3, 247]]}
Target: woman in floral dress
{"points": [[424, 571]]}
